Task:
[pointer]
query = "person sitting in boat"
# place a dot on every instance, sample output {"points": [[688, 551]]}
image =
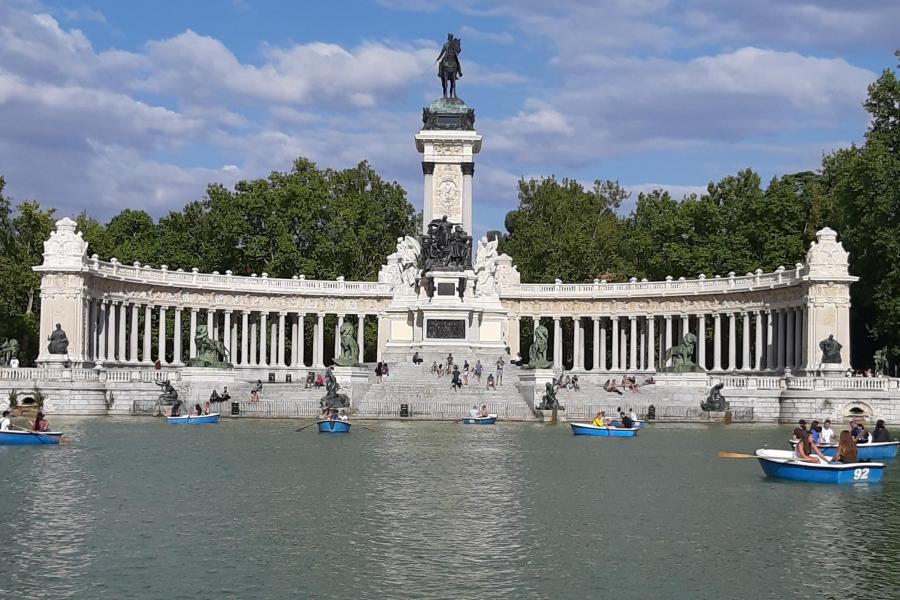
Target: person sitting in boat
{"points": [[474, 412], [846, 450], [881, 433], [484, 411], [802, 424], [631, 414], [812, 429], [333, 416], [627, 422], [600, 420], [198, 410], [807, 450], [207, 408], [861, 436], [40, 423], [827, 433], [343, 416], [4, 421]]}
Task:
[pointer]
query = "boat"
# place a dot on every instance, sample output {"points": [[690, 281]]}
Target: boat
{"points": [[29, 438], [488, 420], [590, 429], [638, 423], [333, 426], [866, 451], [782, 464], [193, 419]]}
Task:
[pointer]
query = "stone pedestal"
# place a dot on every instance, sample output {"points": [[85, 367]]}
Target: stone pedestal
{"points": [[197, 383], [354, 381], [533, 383], [547, 416]]}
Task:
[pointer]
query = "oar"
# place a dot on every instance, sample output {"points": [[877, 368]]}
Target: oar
{"points": [[735, 455], [305, 426], [369, 428], [38, 434]]}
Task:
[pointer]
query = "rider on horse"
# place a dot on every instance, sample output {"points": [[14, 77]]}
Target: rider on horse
{"points": [[449, 68]]}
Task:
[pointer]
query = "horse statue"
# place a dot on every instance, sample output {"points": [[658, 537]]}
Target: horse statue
{"points": [[349, 348], [537, 354], [449, 69], [682, 354], [210, 352]]}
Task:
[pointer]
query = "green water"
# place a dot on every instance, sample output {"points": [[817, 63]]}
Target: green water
{"points": [[135, 508]]}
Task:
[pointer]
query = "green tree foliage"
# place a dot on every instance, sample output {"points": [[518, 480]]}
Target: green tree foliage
{"points": [[863, 186]]}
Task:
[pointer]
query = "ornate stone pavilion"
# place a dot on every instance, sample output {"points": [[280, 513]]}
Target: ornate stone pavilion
{"points": [[757, 331]]}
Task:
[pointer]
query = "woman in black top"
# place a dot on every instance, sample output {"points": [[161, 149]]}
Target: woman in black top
{"points": [[881, 433]]}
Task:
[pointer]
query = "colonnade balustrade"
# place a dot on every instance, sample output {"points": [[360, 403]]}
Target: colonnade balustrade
{"points": [[120, 332], [763, 340]]}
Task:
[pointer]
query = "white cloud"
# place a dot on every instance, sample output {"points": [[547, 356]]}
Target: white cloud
{"points": [[494, 37]]}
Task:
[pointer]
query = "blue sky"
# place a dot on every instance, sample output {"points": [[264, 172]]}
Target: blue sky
{"points": [[109, 104]]}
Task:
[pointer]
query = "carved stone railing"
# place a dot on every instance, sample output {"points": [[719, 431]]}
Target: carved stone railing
{"points": [[33, 375], [762, 382]]}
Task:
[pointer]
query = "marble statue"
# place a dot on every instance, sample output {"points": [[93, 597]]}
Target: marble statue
{"points": [[881, 362], [715, 401], [402, 267], [537, 354], [486, 267], [831, 350], [349, 347], [449, 69], [169, 394], [9, 349], [332, 398], [210, 353], [682, 354], [59, 343]]}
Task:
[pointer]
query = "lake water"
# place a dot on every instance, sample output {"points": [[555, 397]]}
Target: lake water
{"points": [[135, 508]]}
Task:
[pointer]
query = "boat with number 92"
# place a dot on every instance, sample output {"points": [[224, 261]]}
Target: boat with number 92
{"points": [[783, 464]]}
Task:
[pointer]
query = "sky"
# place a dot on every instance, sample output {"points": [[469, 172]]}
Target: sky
{"points": [[106, 105]]}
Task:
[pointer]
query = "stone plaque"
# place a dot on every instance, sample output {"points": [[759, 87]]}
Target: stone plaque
{"points": [[446, 289], [446, 329]]}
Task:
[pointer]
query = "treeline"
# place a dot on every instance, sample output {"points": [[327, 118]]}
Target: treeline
{"points": [[324, 223]]}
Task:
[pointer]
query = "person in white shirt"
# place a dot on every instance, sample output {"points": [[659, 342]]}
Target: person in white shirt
{"points": [[474, 412], [827, 432], [632, 415], [4, 421]]}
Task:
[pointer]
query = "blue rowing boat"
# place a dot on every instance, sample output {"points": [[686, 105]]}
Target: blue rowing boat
{"points": [[589, 429], [866, 451], [29, 438], [639, 423], [488, 420], [334, 426], [782, 464], [193, 419]]}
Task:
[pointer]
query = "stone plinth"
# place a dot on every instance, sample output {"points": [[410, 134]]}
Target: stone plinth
{"points": [[533, 384], [547, 416]]}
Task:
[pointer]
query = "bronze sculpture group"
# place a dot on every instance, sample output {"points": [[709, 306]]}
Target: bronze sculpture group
{"points": [[446, 247]]}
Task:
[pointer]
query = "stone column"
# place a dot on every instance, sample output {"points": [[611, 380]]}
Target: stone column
{"points": [[576, 344], [147, 354], [798, 338], [111, 332], [176, 338], [273, 345], [282, 341], [361, 336], [513, 335], [595, 359], [758, 330], [701, 341], [685, 327], [93, 355], [161, 342], [133, 336], [643, 351], [262, 340], [320, 340], [732, 342], [789, 339], [192, 334], [122, 326], [770, 341], [632, 359], [253, 356], [226, 336], [780, 345], [651, 338], [745, 342], [301, 336], [211, 330], [615, 342], [294, 340], [245, 325], [557, 343], [668, 345], [623, 348], [717, 342], [101, 332], [234, 342], [337, 335], [428, 209]]}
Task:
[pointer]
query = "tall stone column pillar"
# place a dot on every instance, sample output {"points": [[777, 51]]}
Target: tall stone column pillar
{"points": [[263, 330], [123, 329], [93, 355], [595, 356], [337, 335], [717, 342], [301, 337], [161, 342], [513, 335], [732, 342], [133, 336], [701, 341], [361, 336], [226, 336], [745, 342], [615, 342], [642, 360], [632, 359], [245, 326], [295, 340], [111, 332], [604, 365], [101, 334], [685, 327], [254, 355], [320, 340], [273, 344], [780, 335], [282, 343], [651, 338], [770, 340], [557, 343], [758, 330], [211, 329], [147, 352], [576, 344], [176, 338], [623, 348], [192, 334], [668, 345], [798, 337], [789, 339]]}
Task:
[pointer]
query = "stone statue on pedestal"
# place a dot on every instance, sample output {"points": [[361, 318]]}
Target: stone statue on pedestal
{"points": [[486, 267], [881, 362], [831, 350], [548, 400], [537, 354], [449, 69], [715, 401], [59, 343], [210, 353], [332, 398], [349, 347], [9, 349], [446, 247], [682, 354]]}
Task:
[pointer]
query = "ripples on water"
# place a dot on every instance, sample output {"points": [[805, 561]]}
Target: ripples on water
{"points": [[250, 509]]}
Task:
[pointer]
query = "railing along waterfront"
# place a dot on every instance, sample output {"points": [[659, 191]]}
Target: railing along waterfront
{"points": [[586, 412], [27, 374], [760, 382]]}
